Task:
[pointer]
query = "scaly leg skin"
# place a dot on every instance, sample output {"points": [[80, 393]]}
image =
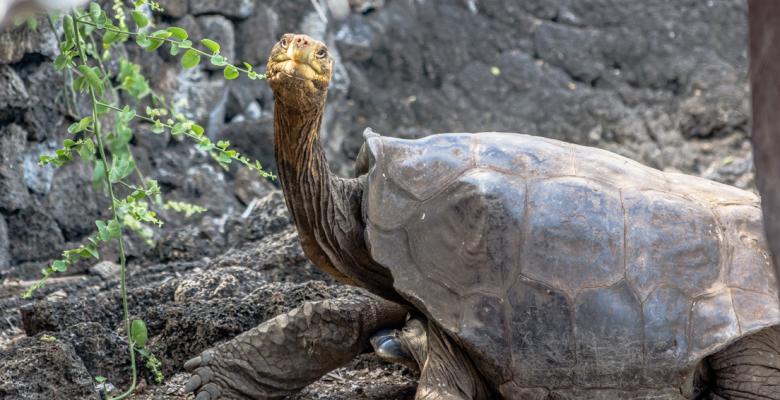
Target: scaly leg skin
{"points": [[747, 369], [446, 372], [288, 352]]}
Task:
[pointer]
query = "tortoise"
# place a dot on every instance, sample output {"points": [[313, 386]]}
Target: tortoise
{"points": [[508, 266]]}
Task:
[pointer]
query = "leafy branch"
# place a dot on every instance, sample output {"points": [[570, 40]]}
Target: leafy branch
{"points": [[107, 148]]}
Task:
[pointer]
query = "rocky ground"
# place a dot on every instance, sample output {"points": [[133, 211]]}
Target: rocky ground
{"points": [[661, 82]]}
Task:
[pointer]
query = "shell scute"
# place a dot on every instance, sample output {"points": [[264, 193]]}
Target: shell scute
{"points": [[424, 166], [483, 328], [670, 240], [749, 266], [666, 312], [609, 331], [574, 225], [524, 155], [542, 335], [473, 228], [713, 323]]}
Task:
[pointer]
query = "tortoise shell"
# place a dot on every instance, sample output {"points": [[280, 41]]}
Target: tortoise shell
{"points": [[562, 266]]}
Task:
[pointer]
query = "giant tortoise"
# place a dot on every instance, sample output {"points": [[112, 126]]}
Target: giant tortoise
{"points": [[508, 266]]}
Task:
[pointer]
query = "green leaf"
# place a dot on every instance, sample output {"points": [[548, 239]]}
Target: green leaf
{"points": [[138, 332], [178, 129], [139, 18], [157, 40], [61, 61], [185, 44], [77, 127], [122, 165], [97, 174], [230, 72], [248, 66], [102, 230], [190, 59], [59, 265], [143, 40], [67, 143], [158, 127], [114, 229], [95, 12], [197, 129], [177, 32], [212, 45], [100, 379], [110, 36], [68, 27], [218, 60], [92, 78], [87, 150], [175, 49]]}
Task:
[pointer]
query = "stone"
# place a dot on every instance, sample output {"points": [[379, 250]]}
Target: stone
{"points": [[107, 270], [254, 139], [216, 284], [38, 178], [5, 253], [174, 8], [73, 203], [16, 41], [43, 367], [13, 193], [257, 35], [249, 185], [243, 92], [220, 30], [102, 350], [34, 234], [229, 8], [201, 99], [13, 94], [191, 242]]}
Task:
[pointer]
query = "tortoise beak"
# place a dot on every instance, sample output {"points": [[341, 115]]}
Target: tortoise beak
{"points": [[299, 54]]}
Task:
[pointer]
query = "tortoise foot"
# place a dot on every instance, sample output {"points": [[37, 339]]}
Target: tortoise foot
{"points": [[282, 355], [202, 381], [391, 348]]}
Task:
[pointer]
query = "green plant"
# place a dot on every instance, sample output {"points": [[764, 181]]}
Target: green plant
{"points": [[106, 148]]}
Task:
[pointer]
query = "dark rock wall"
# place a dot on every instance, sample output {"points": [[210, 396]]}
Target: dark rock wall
{"points": [[662, 82]]}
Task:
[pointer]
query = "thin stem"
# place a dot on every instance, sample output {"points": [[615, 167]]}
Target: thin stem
{"points": [[178, 42], [122, 257], [189, 134]]}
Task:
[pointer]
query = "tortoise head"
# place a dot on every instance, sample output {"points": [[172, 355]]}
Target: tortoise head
{"points": [[299, 71]]}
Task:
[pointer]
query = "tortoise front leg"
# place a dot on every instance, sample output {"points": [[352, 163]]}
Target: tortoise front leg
{"points": [[446, 372], [286, 353]]}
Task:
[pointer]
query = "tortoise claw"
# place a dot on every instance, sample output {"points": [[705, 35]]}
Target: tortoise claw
{"points": [[202, 375], [192, 363], [193, 383]]}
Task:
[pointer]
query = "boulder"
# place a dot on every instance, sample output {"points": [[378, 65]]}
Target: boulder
{"points": [[220, 30], [229, 8], [5, 253], [73, 202], [13, 192], [16, 41], [44, 367], [34, 234], [257, 34]]}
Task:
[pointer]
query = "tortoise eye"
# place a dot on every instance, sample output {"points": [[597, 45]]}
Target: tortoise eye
{"points": [[284, 42], [321, 53]]}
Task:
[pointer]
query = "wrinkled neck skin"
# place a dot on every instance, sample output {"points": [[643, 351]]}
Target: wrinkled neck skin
{"points": [[326, 208]]}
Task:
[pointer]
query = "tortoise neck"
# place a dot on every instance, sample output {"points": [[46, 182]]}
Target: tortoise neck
{"points": [[326, 209]]}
